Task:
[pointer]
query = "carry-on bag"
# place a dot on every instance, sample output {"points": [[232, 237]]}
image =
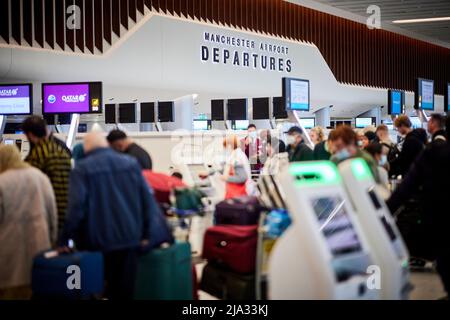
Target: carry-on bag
{"points": [[414, 232], [69, 276], [238, 211], [232, 246], [188, 199], [276, 223], [162, 185], [165, 274], [227, 285]]}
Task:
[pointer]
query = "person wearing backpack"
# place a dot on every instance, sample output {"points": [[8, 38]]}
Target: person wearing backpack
{"points": [[430, 176], [383, 137], [389, 148], [413, 145], [436, 128]]}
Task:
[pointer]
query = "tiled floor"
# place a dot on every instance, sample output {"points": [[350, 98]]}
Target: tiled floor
{"points": [[427, 286]]}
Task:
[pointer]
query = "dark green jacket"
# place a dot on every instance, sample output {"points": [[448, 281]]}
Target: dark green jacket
{"points": [[300, 153], [320, 152]]}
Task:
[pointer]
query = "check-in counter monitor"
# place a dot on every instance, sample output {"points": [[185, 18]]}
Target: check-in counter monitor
{"points": [[389, 250], [324, 254]]}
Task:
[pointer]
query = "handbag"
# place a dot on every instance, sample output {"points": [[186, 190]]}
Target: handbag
{"points": [[189, 199]]}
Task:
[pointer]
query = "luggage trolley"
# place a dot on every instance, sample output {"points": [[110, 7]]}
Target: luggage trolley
{"points": [[197, 222], [271, 197]]}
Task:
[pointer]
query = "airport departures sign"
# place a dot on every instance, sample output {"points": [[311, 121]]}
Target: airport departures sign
{"points": [[244, 53]]}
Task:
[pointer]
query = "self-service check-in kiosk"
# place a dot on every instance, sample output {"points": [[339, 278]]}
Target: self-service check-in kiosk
{"points": [[388, 248], [324, 254]]}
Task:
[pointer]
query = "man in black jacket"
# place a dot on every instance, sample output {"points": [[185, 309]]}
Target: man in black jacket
{"points": [[412, 146], [436, 127], [297, 148], [119, 141], [431, 171]]}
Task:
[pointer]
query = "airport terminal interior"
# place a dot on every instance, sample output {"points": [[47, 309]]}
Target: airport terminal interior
{"points": [[224, 150]]}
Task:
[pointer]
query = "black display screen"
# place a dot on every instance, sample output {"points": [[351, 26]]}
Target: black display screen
{"points": [[279, 108], [147, 112], [165, 111], [217, 110], [110, 113], [261, 108], [127, 113], [237, 109]]}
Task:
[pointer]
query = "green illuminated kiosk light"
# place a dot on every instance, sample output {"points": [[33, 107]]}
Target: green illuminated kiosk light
{"points": [[315, 173], [361, 169]]}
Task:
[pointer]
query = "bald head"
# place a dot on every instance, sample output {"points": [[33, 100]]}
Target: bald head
{"points": [[94, 140]]}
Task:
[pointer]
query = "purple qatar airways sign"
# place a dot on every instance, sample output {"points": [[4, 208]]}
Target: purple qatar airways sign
{"points": [[66, 98], [15, 99], [14, 91]]}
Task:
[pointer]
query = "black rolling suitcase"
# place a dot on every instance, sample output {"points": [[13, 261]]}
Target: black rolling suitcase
{"points": [[243, 211], [411, 226], [227, 285]]}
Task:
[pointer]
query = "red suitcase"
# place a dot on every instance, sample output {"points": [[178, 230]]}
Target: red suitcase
{"points": [[232, 246], [162, 184]]}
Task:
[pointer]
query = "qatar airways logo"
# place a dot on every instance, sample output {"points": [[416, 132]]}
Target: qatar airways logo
{"points": [[69, 98], [74, 98], [9, 92]]}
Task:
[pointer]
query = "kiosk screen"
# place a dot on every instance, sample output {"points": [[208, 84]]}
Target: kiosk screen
{"points": [[336, 226]]}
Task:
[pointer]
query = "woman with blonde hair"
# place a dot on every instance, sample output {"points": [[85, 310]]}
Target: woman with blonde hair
{"points": [[317, 135], [236, 171], [28, 222]]}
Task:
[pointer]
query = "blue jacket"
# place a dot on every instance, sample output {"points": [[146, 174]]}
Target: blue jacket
{"points": [[109, 203]]}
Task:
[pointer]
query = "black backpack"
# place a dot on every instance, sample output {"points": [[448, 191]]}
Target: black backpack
{"points": [[393, 151]]}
